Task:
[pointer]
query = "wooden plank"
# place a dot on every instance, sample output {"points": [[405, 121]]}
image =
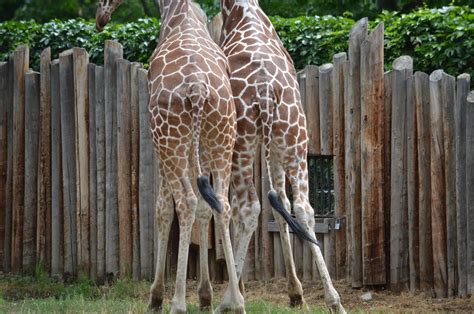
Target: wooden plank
{"points": [[91, 69], [412, 186], [279, 262], [81, 103], [43, 234], [68, 155], [462, 90], [372, 158], [348, 163], [388, 78], [470, 189], [326, 108], [356, 37], [8, 98], [112, 52], [438, 188], [56, 175], [123, 166], [338, 150], [3, 156], [268, 263], [311, 105], [215, 27], [330, 252], [146, 203], [101, 179], [449, 99], [422, 105], [399, 271], [135, 138], [20, 66], [32, 112]]}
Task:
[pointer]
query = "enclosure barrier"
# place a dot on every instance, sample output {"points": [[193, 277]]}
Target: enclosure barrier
{"points": [[78, 175]]}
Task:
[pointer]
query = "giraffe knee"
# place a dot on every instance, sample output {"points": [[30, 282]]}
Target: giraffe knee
{"points": [[250, 216]]}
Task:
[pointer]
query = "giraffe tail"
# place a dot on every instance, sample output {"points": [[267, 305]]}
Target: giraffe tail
{"points": [[267, 104], [198, 94]]}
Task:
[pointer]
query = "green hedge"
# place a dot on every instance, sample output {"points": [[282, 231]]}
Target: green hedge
{"points": [[435, 38]]}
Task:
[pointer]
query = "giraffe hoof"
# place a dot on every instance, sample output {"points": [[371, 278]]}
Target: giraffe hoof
{"points": [[297, 301]]}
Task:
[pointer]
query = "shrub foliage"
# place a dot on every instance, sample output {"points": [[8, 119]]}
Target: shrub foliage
{"points": [[435, 38]]}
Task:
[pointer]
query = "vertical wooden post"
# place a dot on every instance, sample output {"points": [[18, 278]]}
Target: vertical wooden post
{"points": [[387, 155], [412, 186], [3, 157], [339, 184], [372, 159], [113, 51], [449, 99], [20, 66], [312, 109], [146, 203], [470, 189], [91, 69], [399, 271], [68, 131], [8, 98], [32, 112], [43, 234], [123, 166], [422, 107], [462, 90], [356, 37], [101, 167], [57, 232], [326, 108], [81, 103], [438, 188], [135, 138]]}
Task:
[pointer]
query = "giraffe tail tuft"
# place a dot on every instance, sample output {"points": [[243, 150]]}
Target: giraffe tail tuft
{"points": [[277, 204], [208, 194]]}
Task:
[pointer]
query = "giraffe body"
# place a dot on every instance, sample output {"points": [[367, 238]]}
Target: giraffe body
{"points": [[193, 123], [269, 111]]}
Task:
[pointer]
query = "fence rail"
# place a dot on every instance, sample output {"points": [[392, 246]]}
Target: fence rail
{"points": [[78, 173]]}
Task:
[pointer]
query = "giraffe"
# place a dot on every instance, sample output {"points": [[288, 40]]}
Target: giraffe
{"points": [[193, 123], [269, 111]]}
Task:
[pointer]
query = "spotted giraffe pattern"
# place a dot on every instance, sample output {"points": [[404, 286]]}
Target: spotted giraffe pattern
{"points": [[269, 111], [193, 123]]}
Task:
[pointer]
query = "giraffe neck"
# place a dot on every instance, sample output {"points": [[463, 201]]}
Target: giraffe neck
{"points": [[175, 13]]}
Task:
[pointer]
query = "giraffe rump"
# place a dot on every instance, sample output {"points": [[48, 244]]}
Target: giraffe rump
{"points": [[300, 232]]}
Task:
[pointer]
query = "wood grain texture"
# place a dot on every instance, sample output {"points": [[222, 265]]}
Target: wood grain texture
{"points": [[146, 203], [81, 104], [32, 114], [91, 69], [357, 35], [68, 154], [449, 86], [326, 108], [20, 67], [3, 156], [311, 105], [470, 189], [112, 52], [56, 175], [399, 266], [422, 107], [372, 159], [123, 166], [43, 231], [338, 149], [462, 90], [438, 188], [101, 167]]}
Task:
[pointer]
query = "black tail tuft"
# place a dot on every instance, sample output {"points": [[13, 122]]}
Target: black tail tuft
{"points": [[277, 204], [208, 193]]}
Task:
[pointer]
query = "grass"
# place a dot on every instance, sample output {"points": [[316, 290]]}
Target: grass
{"points": [[41, 294]]}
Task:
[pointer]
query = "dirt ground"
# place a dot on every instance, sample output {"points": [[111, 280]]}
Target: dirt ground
{"points": [[274, 292]]}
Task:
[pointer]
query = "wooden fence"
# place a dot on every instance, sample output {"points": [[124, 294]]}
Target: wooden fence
{"points": [[78, 175]]}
